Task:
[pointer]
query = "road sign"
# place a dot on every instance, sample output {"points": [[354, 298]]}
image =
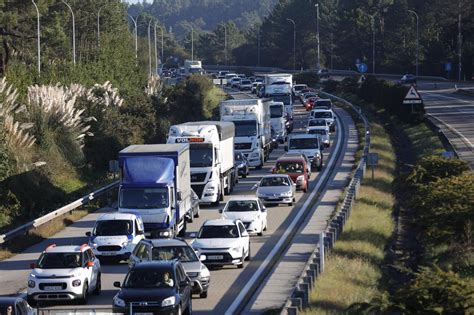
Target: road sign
{"points": [[361, 79], [362, 67], [412, 97], [372, 159], [448, 154]]}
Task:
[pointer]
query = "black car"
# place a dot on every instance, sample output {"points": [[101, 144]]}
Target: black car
{"points": [[242, 164], [408, 79], [154, 287], [14, 305], [289, 123], [323, 74]]}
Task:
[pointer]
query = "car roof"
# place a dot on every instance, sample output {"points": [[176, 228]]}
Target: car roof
{"points": [[291, 159], [321, 110], [318, 127], [166, 242], [219, 222], [117, 216], [302, 136], [275, 175], [243, 198], [66, 249]]}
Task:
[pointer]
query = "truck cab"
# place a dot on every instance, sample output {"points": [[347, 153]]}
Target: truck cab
{"points": [[278, 120], [309, 145], [211, 147]]}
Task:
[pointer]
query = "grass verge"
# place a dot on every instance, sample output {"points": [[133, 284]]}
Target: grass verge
{"points": [[354, 266]]}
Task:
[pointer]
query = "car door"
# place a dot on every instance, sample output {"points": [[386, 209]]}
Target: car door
{"points": [[184, 290], [244, 236], [96, 267], [263, 213], [89, 271]]}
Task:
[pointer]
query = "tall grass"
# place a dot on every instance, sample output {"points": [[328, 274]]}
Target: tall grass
{"points": [[354, 267]]}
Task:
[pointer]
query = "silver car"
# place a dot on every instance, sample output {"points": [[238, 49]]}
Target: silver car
{"points": [[276, 189], [323, 134]]}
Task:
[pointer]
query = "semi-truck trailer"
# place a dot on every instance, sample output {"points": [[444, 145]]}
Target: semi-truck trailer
{"points": [[211, 146], [251, 118], [156, 183]]}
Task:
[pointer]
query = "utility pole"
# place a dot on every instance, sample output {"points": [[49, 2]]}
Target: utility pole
{"points": [[162, 45], [192, 43], [317, 36], [73, 33], [136, 34], [149, 48], [372, 19], [225, 44], [258, 48], [294, 42], [417, 39], [460, 43], [156, 48], [38, 40]]}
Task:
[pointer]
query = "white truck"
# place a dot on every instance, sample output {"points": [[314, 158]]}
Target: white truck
{"points": [[251, 118], [193, 67], [156, 184], [278, 120], [211, 147], [278, 78]]}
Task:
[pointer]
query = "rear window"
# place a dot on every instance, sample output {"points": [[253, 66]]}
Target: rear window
{"points": [[290, 167]]}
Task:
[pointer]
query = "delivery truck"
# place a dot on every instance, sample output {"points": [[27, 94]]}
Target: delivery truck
{"points": [[156, 183]]}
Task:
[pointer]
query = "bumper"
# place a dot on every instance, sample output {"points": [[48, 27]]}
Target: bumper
{"points": [[221, 259], [301, 186], [200, 286], [121, 256], [54, 296], [171, 310], [209, 199]]}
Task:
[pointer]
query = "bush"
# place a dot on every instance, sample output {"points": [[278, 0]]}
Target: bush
{"points": [[433, 168], [309, 78]]}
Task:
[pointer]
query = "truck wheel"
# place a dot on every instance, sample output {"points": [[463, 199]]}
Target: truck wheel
{"points": [[183, 230]]}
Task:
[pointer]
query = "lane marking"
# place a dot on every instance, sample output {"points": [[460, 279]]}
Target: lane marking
{"points": [[258, 273]]}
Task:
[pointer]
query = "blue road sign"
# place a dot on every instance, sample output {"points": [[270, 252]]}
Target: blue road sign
{"points": [[448, 66], [362, 67]]}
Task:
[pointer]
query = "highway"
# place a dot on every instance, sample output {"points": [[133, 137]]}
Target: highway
{"points": [[226, 283]]}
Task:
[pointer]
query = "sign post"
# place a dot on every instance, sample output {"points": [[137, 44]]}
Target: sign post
{"points": [[372, 160], [412, 97]]}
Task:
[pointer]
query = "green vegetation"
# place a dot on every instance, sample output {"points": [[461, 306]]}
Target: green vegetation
{"points": [[354, 266]]}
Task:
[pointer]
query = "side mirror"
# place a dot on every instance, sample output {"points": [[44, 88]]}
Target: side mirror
{"points": [[89, 264], [202, 257], [179, 196], [88, 234], [183, 283], [32, 265], [264, 209], [286, 148], [117, 284], [221, 210]]}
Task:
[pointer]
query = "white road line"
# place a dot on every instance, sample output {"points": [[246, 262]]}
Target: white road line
{"points": [[258, 273], [451, 128]]}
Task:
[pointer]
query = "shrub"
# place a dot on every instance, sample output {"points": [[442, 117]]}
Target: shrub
{"points": [[309, 78], [433, 168]]}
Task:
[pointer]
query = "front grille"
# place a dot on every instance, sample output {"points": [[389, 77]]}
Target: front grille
{"points": [[60, 296], [109, 248], [44, 286], [272, 199], [198, 177], [198, 189], [242, 146]]}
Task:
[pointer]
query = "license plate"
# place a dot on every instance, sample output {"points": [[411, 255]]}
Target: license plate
{"points": [[109, 253], [147, 234], [272, 198], [215, 257], [54, 288]]}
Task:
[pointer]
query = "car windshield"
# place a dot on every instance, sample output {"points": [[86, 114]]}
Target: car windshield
{"points": [[183, 253], [218, 231], [303, 143], [60, 260], [316, 122], [274, 181], [308, 95], [290, 167], [299, 87], [245, 128], [326, 104], [321, 132], [113, 227], [247, 82], [241, 206], [200, 154], [276, 111], [149, 278], [285, 99], [322, 115], [141, 198]]}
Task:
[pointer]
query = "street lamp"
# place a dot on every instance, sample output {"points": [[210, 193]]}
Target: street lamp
{"points": [[192, 43], [136, 34], [294, 42], [417, 39], [73, 32], [149, 48], [372, 19], [258, 48], [98, 25], [39, 39], [317, 36], [225, 44]]}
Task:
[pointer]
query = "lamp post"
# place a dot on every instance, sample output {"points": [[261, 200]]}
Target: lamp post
{"points": [[98, 25], [225, 44], [73, 33], [460, 43], [149, 48], [38, 42], [317, 36], [294, 42], [372, 19], [258, 48], [417, 39], [136, 34], [192, 43]]}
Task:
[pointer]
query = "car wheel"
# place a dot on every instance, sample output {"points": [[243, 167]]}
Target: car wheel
{"points": [[260, 233], [290, 204], [241, 265], [189, 308], [179, 312], [196, 215], [83, 299], [191, 218], [203, 295], [248, 254], [98, 286], [216, 203]]}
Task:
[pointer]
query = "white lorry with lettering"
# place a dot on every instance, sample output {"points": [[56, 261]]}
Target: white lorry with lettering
{"points": [[211, 147], [251, 118], [193, 67]]}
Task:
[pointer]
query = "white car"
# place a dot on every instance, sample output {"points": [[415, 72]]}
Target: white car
{"points": [[276, 189], [235, 82], [320, 113], [322, 132], [64, 273], [115, 235], [223, 242], [249, 210], [297, 88]]}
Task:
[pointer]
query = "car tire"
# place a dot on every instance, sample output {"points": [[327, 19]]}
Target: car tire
{"points": [[196, 215], [260, 233], [216, 203], [83, 299], [305, 190], [290, 204], [98, 286], [241, 265], [179, 312], [203, 295], [248, 255], [31, 301], [191, 218], [189, 308]]}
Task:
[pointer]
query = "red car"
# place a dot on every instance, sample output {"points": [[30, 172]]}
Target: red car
{"points": [[296, 168], [309, 104]]}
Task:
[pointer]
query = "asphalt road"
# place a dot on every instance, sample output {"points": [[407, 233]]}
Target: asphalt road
{"points": [[225, 283]]}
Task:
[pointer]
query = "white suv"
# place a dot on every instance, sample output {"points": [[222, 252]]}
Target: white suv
{"points": [[223, 242], [64, 273], [249, 210], [115, 235]]}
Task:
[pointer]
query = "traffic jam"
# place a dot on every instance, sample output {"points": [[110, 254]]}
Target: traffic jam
{"points": [[165, 187]]}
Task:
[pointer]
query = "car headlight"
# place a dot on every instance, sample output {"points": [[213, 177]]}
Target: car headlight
{"points": [[235, 249], [169, 301], [300, 178], [125, 244], [286, 194], [211, 188], [93, 245], [76, 283], [118, 301], [31, 284], [318, 156]]}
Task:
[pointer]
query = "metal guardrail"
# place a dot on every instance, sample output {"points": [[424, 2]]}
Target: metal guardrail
{"points": [[300, 295], [56, 213]]}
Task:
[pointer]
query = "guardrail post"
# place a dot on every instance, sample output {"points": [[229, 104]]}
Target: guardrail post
{"points": [[321, 252]]}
